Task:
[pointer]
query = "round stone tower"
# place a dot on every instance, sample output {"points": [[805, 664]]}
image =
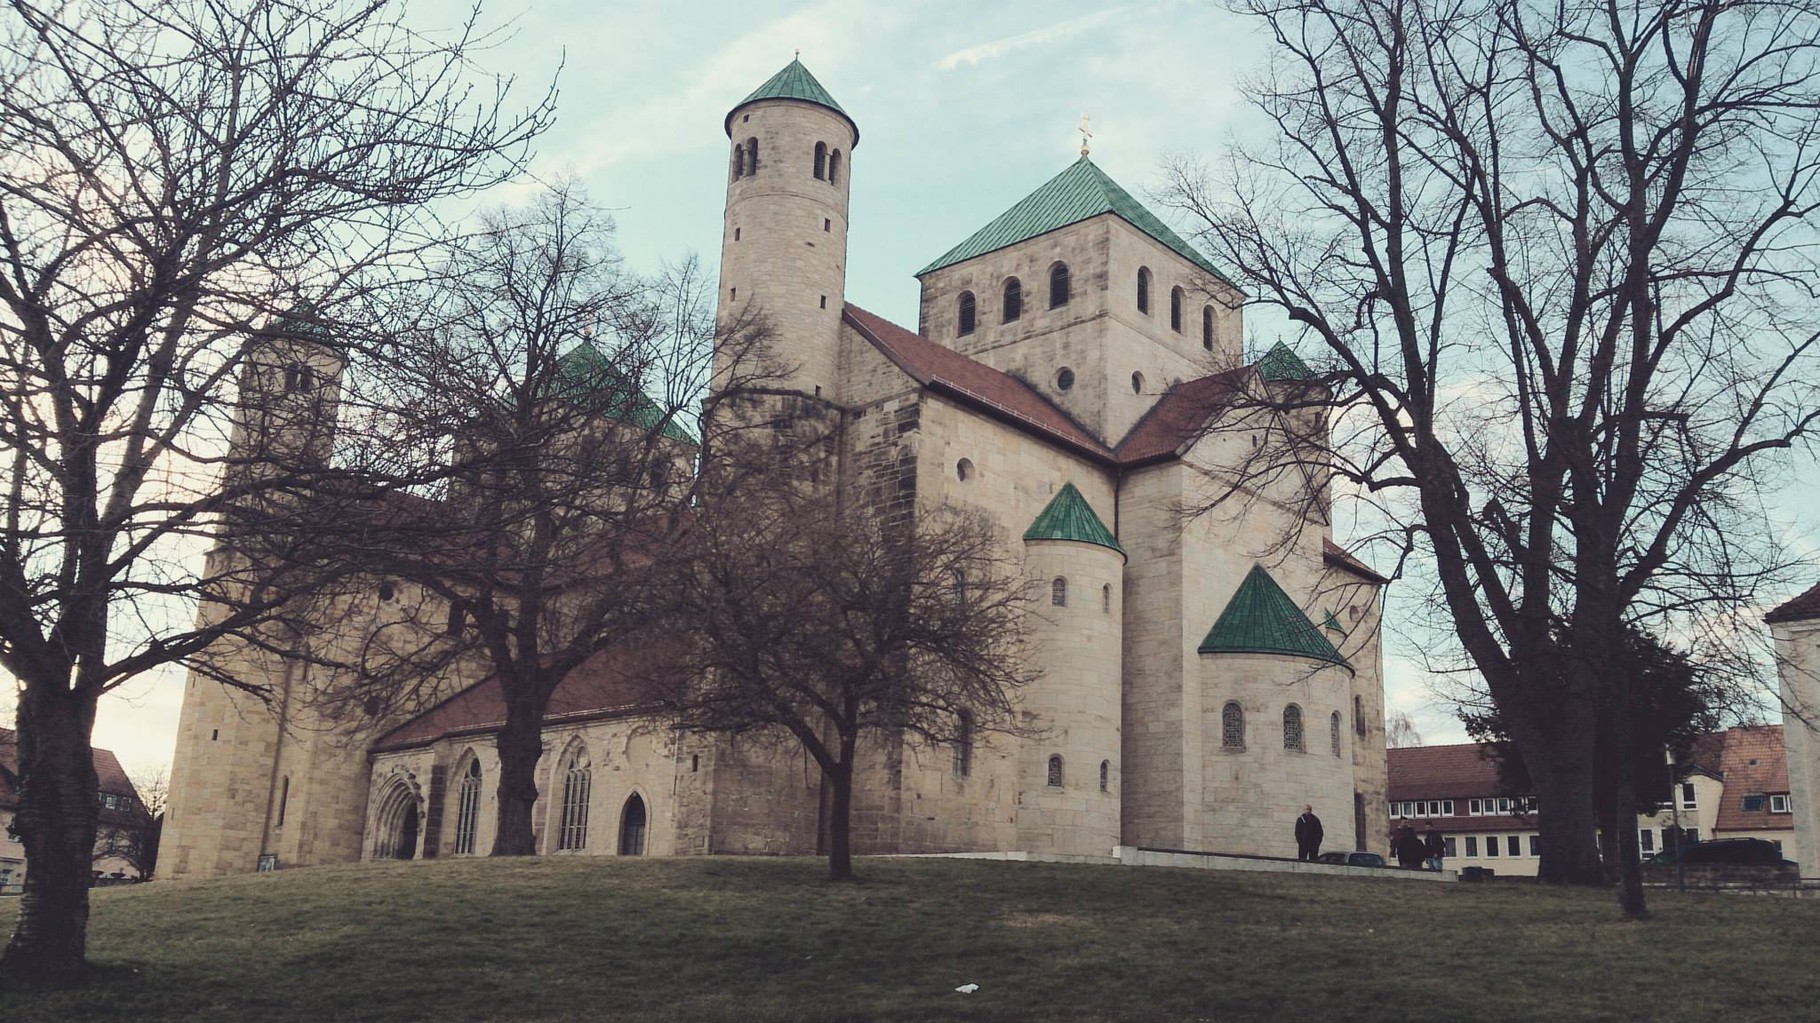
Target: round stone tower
{"points": [[784, 243]]}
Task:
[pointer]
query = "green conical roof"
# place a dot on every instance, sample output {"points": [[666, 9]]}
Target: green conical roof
{"points": [[1080, 192], [1280, 363], [587, 378], [1069, 517], [793, 82], [1261, 619]]}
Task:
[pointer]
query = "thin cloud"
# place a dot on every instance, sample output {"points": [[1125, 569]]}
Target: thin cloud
{"points": [[1024, 40]]}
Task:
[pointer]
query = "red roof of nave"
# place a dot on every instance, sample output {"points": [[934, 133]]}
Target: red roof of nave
{"points": [[1805, 606], [599, 687]]}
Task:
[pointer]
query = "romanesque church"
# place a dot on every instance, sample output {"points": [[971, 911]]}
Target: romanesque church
{"points": [[1202, 676]]}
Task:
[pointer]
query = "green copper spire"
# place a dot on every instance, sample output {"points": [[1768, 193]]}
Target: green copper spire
{"points": [[1080, 192], [586, 378], [1261, 619], [793, 82], [1069, 517], [1280, 363]]}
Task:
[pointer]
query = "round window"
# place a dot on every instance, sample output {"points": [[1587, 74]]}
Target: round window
{"points": [[963, 470], [1064, 379], [386, 592], [1137, 383]]}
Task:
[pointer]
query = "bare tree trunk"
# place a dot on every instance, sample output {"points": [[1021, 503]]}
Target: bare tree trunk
{"points": [[1624, 828], [520, 746], [56, 821], [840, 817], [1559, 755]]}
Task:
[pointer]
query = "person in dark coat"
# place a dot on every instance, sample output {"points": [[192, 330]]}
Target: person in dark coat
{"points": [[1308, 835], [1409, 850], [1436, 847]]}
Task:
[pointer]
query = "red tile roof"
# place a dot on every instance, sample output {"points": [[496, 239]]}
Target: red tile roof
{"points": [[943, 369], [109, 775], [1175, 421], [1442, 772], [1754, 764], [1807, 605], [600, 687]]}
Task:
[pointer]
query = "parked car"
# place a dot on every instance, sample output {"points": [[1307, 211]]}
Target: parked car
{"points": [[1750, 852], [1352, 859]]}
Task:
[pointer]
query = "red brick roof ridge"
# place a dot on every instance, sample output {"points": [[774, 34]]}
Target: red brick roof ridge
{"points": [[1158, 436], [1800, 608]]}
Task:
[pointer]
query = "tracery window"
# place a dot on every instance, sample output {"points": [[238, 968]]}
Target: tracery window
{"points": [[1055, 771], [577, 784], [1232, 726], [1058, 592], [467, 808], [1292, 729]]}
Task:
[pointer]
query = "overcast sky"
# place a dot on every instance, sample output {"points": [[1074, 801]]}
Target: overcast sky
{"points": [[963, 108]]}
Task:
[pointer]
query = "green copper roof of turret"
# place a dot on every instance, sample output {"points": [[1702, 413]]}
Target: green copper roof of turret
{"points": [[587, 378], [1080, 192], [1261, 619], [793, 82], [1070, 517], [1280, 363]]}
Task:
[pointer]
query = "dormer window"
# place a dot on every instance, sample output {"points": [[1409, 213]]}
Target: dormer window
{"points": [[1014, 300], [1058, 285], [964, 314], [1143, 290]]}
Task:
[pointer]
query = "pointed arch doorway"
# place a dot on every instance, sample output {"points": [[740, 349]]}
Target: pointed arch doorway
{"points": [[632, 828]]}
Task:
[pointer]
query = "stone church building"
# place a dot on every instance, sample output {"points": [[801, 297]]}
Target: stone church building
{"points": [[1202, 676]]}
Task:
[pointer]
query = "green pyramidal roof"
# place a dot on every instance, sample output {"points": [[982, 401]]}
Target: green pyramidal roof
{"points": [[1261, 619], [1280, 363], [588, 379], [793, 82], [1069, 517], [1081, 191]]}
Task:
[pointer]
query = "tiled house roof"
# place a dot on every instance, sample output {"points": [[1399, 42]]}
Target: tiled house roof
{"points": [[1801, 608], [1261, 619], [1069, 517], [110, 779], [1754, 764], [793, 82], [1074, 195]]}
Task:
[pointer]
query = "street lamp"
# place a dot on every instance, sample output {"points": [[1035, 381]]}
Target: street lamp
{"points": [[1674, 802]]}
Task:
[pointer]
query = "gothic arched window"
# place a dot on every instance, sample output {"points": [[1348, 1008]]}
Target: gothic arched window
{"points": [[577, 784], [821, 160], [834, 167], [1232, 726], [467, 808], [1058, 592], [1207, 327], [1334, 730], [1175, 310], [1014, 300], [1144, 290], [1055, 771], [1058, 285], [964, 314], [1292, 729]]}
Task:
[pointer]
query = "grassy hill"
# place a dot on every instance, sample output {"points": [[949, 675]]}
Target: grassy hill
{"points": [[769, 939]]}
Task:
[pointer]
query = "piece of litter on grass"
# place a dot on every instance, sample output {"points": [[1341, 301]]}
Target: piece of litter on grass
{"points": [[967, 989]]}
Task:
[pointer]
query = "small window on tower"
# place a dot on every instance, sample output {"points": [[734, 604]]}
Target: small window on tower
{"points": [[1175, 310], [1064, 379], [964, 314], [1058, 592], [1106, 598], [736, 234], [1058, 285], [1207, 327], [1137, 383], [387, 592], [1143, 290], [1014, 300], [1055, 771], [824, 301], [827, 225], [821, 160], [752, 156], [834, 167], [1105, 774]]}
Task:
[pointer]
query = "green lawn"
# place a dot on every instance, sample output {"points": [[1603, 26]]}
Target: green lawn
{"points": [[769, 939]]}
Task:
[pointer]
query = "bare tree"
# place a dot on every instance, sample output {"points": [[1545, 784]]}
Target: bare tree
{"points": [[795, 618], [1400, 732], [561, 397], [1559, 259], [175, 176]]}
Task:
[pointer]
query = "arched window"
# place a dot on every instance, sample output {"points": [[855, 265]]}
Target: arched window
{"points": [[577, 784], [1292, 729], [1207, 327], [752, 156], [1175, 310], [297, 378], [957, 580], [1058, 592], [1137, 383], [632, 826], [963, 743], [963, 470], [821, 160], [1058, 285], [834, 167], [1014, 300], [1232, 726], [1358, 715], [1055, 771], [965, 314], [1106, 598], [467, 808], [1144, 290], [739, 160], [284, 799], [1105, 774], [1334, 732]]}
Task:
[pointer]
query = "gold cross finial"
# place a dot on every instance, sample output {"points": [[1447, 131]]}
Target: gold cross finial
{"points": [[1085, 134]]}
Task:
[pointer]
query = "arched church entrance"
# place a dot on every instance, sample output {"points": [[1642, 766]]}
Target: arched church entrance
{"points": [[632, 827], [397, 824]]}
